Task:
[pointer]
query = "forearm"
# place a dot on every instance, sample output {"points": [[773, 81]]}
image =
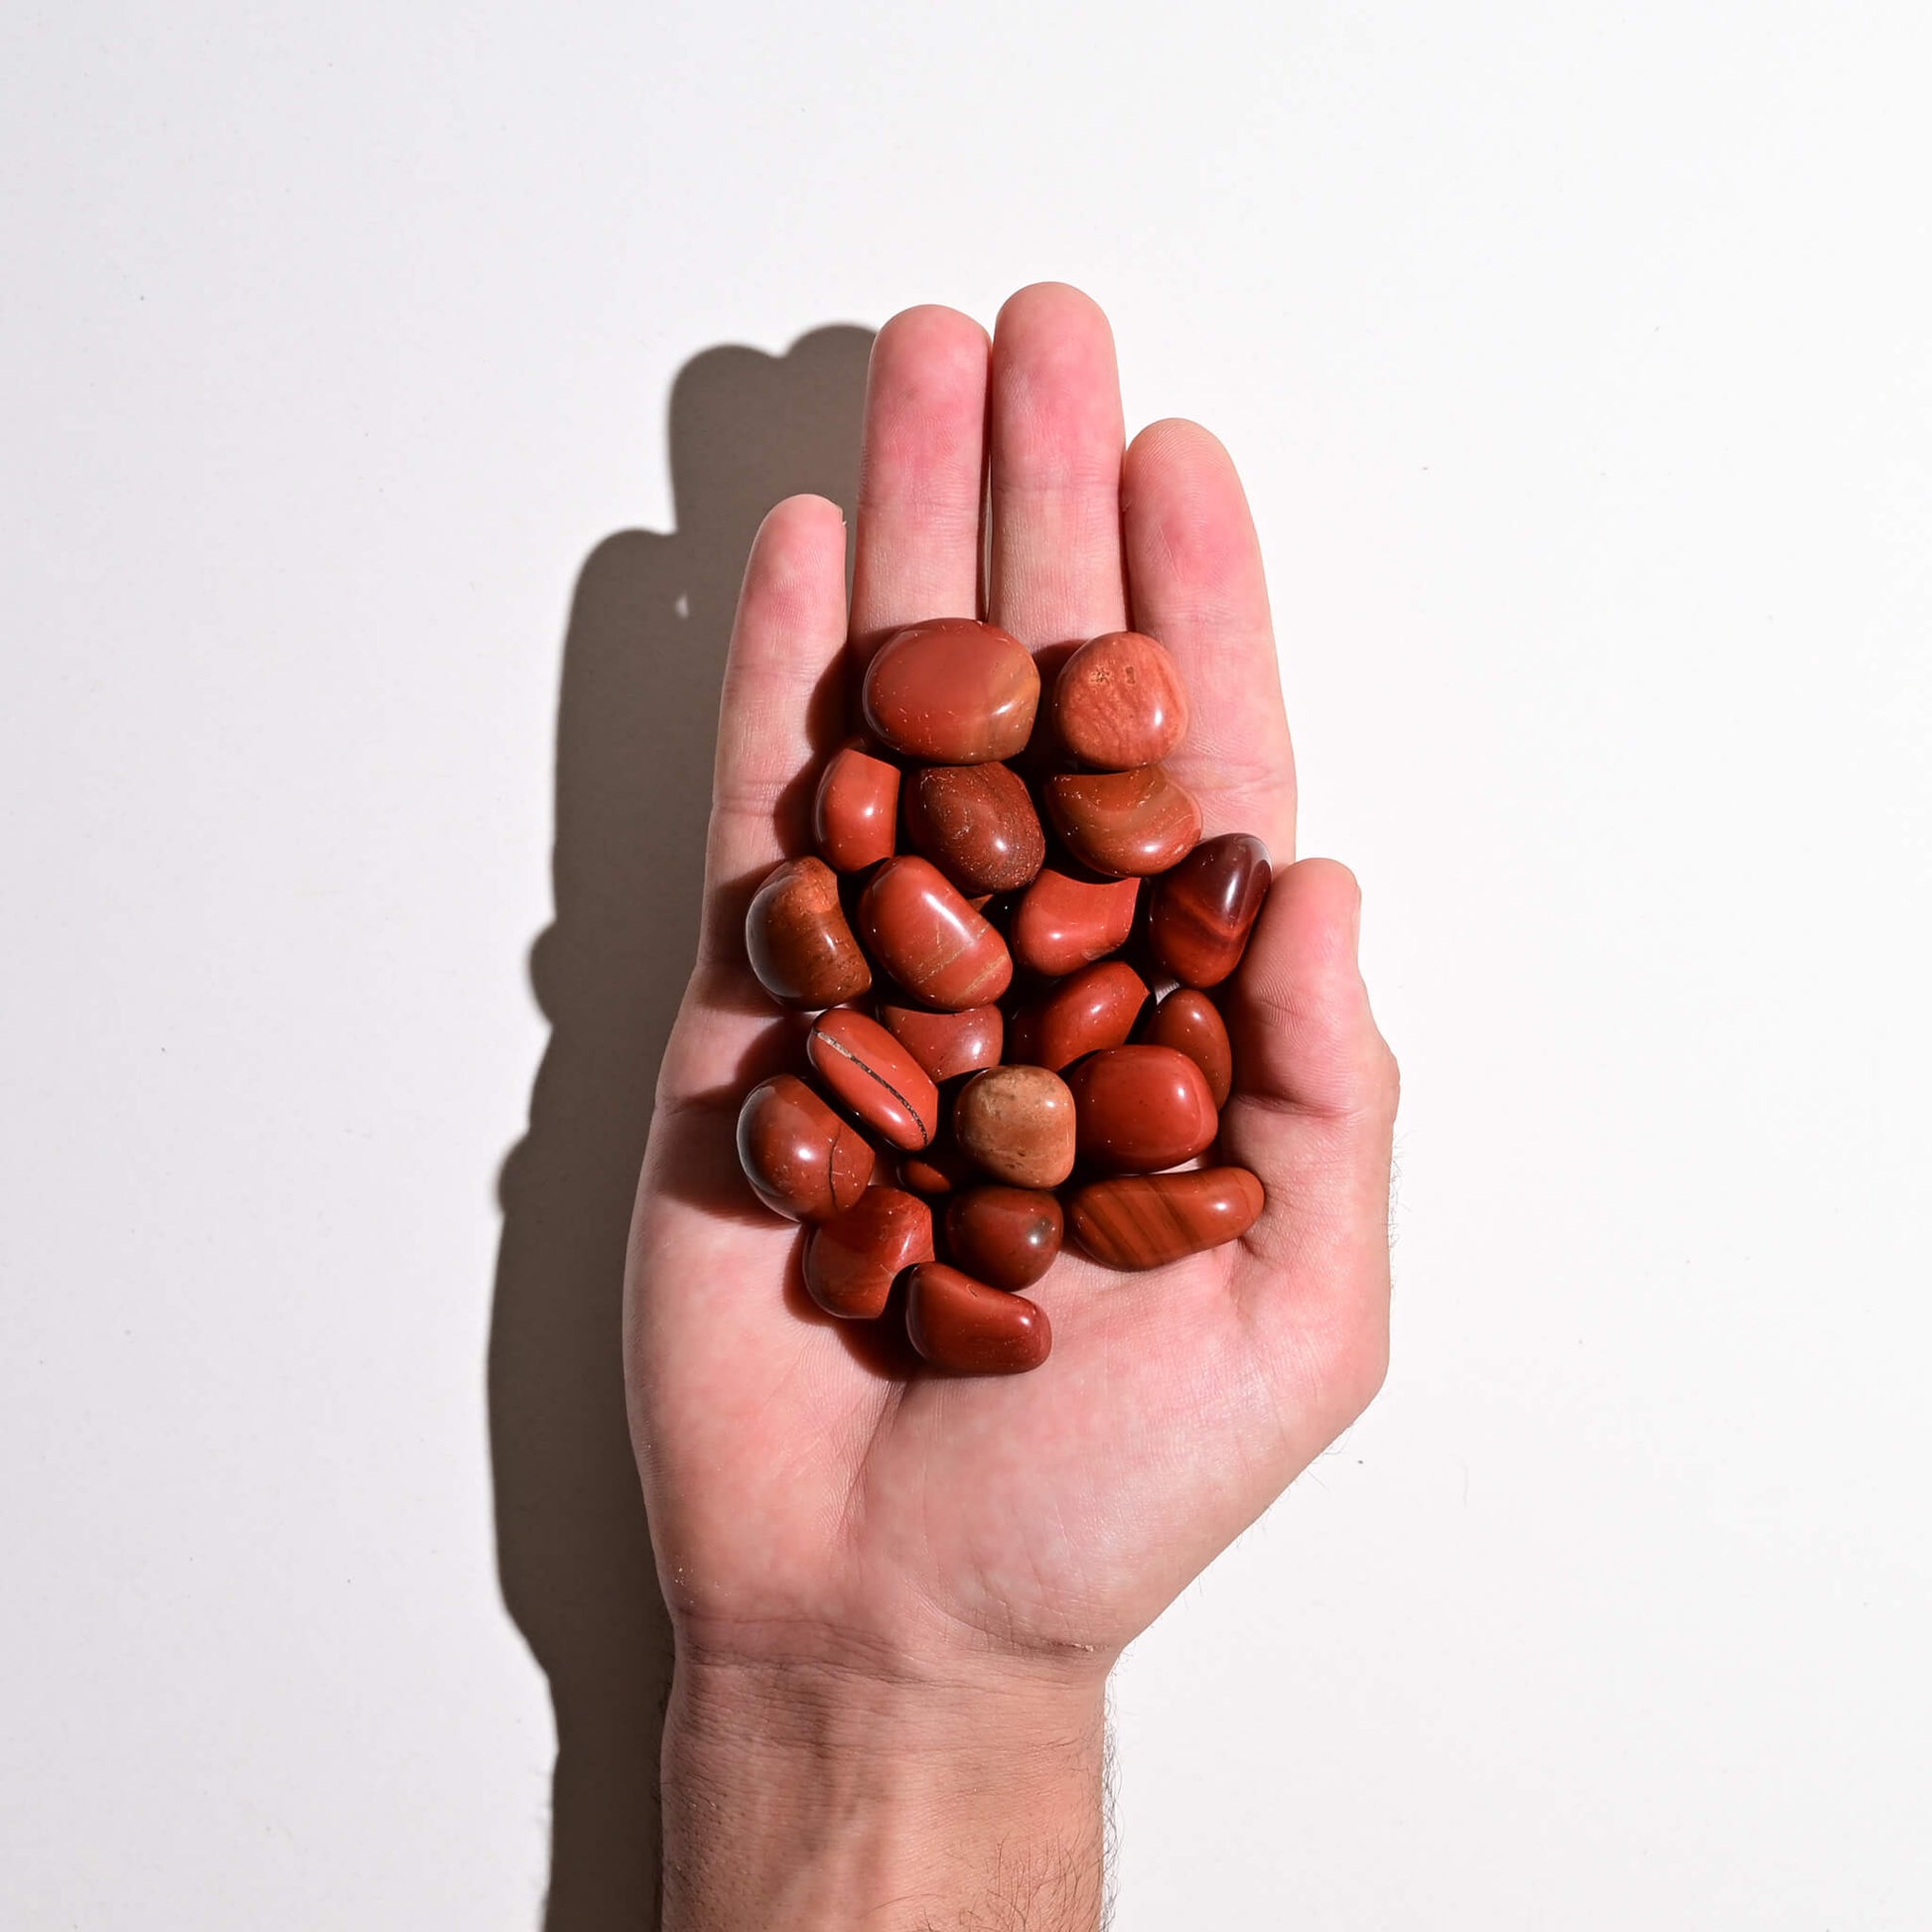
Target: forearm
{"points": [[823, 1800]]}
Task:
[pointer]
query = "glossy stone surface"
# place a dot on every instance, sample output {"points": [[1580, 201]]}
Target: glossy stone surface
{"points": [[1119, 702], [851, 1261], [951, 692], [855, 811], [1008, 1236], [1094, 1008], [961, 1325], [977, 824], [1062, 922], [947, 1044], [1191, 1024], [800, 1158], [874, 1076], [1140, 1108], [797, 939], [1125, 823], [923, 932], [1018, 1123], [1202, 911], [1148, 1220], [938, 1169]]}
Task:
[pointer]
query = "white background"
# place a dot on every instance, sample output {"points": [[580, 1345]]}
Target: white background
{"points": [[1579, 361]]}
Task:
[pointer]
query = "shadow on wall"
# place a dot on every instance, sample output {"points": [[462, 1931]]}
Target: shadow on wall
{"points": [[642, 662]]}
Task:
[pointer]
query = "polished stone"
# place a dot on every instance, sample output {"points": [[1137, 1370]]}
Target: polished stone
{"points": [[923, 932], [1018, 1123], [1093, 1007], [801, 1158], [961, 1325], [977, 824], [855, 812], [1202, 911], [947, 1044], [797, 939], [952, 691], [1148, 1220], [874, 1076], [1125, 823], [1119, 702], [1191, 1024], [1062, 921], [1140, 1108], [851, 1262], [1008, 1236]]}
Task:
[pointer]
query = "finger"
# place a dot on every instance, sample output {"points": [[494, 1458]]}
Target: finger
{"points": [[1313, 1116], [1056, 449], [922, 474], [786, 644], [1195, 582]]}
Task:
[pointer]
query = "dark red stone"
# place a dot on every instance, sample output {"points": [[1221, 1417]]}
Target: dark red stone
{"points": [[961, 1325], [1202, 911]]}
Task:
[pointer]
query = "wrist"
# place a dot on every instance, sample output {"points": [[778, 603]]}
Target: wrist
{"points": [[821, 1795]]}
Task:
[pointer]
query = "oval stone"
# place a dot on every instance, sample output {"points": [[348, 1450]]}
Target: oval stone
{"points": [[874, 1076], [1125, 823], [1094, 1008], [855, 811], [977, 824], [961, 1325], [1148, 1220], [851, 1261], [1191, 1024], [1119, 702], [1140, 1108], [1202, 911], [801, 1158], [1019, 1124], [952, 691], [797, 939], [1008, 1236], [1062, 922], [947, 1044], [929, 940]]}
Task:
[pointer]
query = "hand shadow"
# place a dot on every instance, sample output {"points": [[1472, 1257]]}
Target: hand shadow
{"points": [[637, 719]]}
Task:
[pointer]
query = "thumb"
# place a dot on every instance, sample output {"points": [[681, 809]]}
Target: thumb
{"points": [[1314, 1115]]}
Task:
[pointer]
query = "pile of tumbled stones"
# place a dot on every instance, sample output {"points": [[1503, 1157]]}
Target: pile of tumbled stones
{"points": [[990, 1066]]}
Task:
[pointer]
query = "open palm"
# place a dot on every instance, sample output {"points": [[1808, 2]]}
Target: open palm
{"points": [[805, 1498]]}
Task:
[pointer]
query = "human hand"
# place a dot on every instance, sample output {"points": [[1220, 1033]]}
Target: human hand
{"points": [[897, 1599]]}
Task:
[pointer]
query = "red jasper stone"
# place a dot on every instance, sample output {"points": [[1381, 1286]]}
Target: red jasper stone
{"points": [[874, 1076], [1062, 922], [1140, 1108], [1203, 910], [1191, 1024], [1119, 702], [801, 1158], [1125, 823], [1095, 1008], [855, 812], [797, 939], [977, 824], [947, 1044], [1019, 1124], [851, 1262], [1008, 1236], [961, 1325], [1148, 1220], [929, 940], [952, 691], [938, 1169]]}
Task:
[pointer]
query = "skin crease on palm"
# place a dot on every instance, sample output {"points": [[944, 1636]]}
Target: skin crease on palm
{"points": [[809, 1504]]}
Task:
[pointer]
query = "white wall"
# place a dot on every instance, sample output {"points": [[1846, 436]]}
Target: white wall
{"points": [[1580, 359]]}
